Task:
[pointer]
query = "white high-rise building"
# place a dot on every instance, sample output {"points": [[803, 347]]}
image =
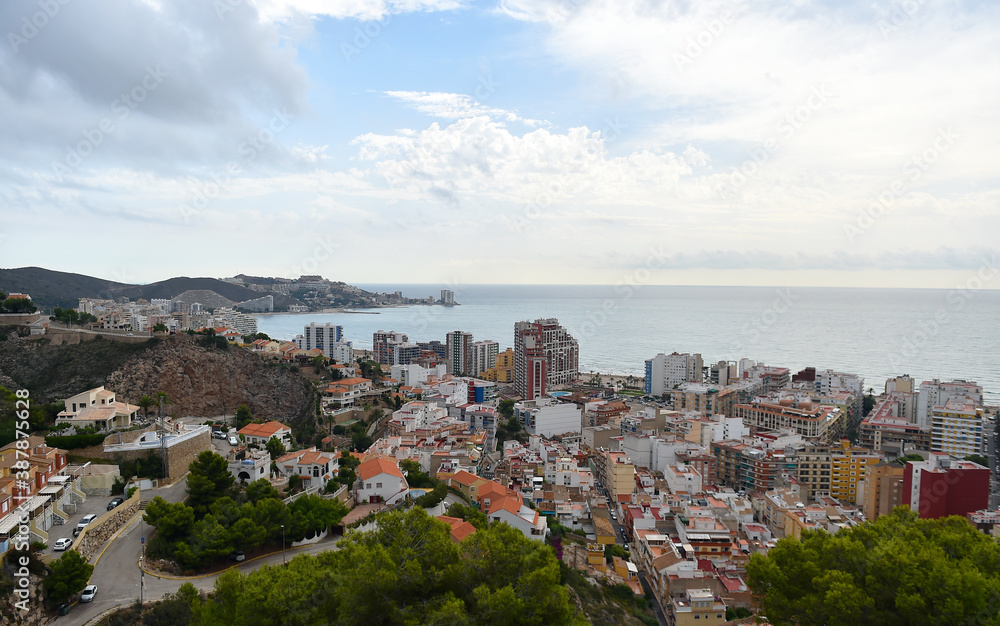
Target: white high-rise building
{"points": [[484, 356], [934, 393], [666, 371]]}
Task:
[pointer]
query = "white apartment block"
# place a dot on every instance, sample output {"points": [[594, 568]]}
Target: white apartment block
{"points": [[414, 375], [665, 371], [957, 428], [483, 356], [547, 417], [936, 393]]}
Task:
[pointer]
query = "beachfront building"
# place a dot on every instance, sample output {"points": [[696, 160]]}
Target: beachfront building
{"points": [[384, 346], [666, 371], [545, 355]]}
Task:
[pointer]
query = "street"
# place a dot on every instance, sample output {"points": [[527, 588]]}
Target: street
{"points": [[117, 573]]}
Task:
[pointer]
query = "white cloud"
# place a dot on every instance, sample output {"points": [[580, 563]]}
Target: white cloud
{"points": [[359, 9], [456, 106]]}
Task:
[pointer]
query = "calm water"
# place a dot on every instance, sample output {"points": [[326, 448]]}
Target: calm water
{"points": [[877, 333]]}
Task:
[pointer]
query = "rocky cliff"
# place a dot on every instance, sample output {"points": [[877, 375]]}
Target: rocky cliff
{"points": [[207, 382]]}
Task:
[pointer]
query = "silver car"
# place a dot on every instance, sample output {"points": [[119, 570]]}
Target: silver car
{"points": [[88, 593]]}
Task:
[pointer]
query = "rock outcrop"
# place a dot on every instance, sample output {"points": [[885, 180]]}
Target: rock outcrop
{"points": [[207, 382]]}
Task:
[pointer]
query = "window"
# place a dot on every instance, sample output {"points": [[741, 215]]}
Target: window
{"points": [[378, 485]]}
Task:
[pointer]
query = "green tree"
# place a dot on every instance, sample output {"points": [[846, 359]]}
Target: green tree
{"points": [[208, 540], [145, 403], [260, 489], [247, 534], [208, 478], [243, 416], [318, 362], [978, 459], [470, 514], [274, 447], [507, 409], [414, 476], [70, 574], [897, 570], [347, 476]]}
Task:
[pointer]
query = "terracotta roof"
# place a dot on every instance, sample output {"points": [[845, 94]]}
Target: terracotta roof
{"points": [[267, 430], [460, 529], [376, 466], [353, 381], [465, 478], [509, 504]]}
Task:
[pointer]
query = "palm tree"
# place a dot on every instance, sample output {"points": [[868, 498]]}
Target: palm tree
{"points": [[145, 403]]}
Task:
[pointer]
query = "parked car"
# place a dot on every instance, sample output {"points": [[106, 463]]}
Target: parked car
{"points": [[115, 502], [219, 434], [237, 556], [88, 593], [83, 523], [233, 441], [62, 544]]}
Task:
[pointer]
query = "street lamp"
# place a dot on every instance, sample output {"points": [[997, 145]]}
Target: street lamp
{"points": [[283, 561]]}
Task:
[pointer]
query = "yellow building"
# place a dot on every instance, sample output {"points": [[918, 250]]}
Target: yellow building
{"points": [[698, 607], [503, 369], [848, 467]]}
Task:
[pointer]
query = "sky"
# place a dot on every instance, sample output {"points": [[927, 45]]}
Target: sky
{"points": [[504, 141]]}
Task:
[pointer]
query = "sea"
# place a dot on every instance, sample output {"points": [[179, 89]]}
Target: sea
{"points": [[877, 333]]}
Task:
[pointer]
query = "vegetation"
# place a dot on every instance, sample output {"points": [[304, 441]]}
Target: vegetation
{"points": [[243, 416], [470, 514], [253, 520], [68, 577], [274, 447], [408, 571], [40, 415], [16, 305], [896, 570], [208, 479], [72, 442], [903, 460], [978, 459]]}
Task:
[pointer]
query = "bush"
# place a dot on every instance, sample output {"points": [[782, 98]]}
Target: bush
{"points": [[73, 442]]}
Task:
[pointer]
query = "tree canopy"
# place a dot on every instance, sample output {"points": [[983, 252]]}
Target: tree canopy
{"points": [[69, 576], [407, 571], [208, 478], [897, 570]]}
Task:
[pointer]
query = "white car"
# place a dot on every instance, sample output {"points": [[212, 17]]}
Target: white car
{"points": [[62, 544], [233, 441], [88, 593]]}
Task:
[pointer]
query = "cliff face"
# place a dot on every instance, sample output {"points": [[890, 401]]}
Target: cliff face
{"points": [[208, 382]]}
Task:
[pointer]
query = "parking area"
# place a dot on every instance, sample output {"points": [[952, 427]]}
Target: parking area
{"points": [[94, 505]]}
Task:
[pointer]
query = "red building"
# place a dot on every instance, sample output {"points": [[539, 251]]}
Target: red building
{"points": [[944, 486]]}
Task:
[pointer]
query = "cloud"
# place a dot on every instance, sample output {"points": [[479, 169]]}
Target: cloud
{"points": [[456, 106], [159, 86], [478, 156], [356, 9]]}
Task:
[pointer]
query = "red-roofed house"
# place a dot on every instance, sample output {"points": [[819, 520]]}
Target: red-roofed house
{"points": [[519, 516], [260, 433], [316, 468], [379, 480], [467, 482], [460, 529], [492, 490]]}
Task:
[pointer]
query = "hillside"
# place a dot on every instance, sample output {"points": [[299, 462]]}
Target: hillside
{"points": [[52, 373], [208, 382], [49, 288]]}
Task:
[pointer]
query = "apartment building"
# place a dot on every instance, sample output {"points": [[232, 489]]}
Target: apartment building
{"points": [[664, 372], [545, 355]]}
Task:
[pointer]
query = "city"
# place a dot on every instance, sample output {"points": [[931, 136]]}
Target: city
{"points": [[666, 484]]}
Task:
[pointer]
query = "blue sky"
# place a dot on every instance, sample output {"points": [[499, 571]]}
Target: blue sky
{"points": [[514, 141]]}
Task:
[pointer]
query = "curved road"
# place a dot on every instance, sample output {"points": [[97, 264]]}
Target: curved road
{"points": [[117, 573]]}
